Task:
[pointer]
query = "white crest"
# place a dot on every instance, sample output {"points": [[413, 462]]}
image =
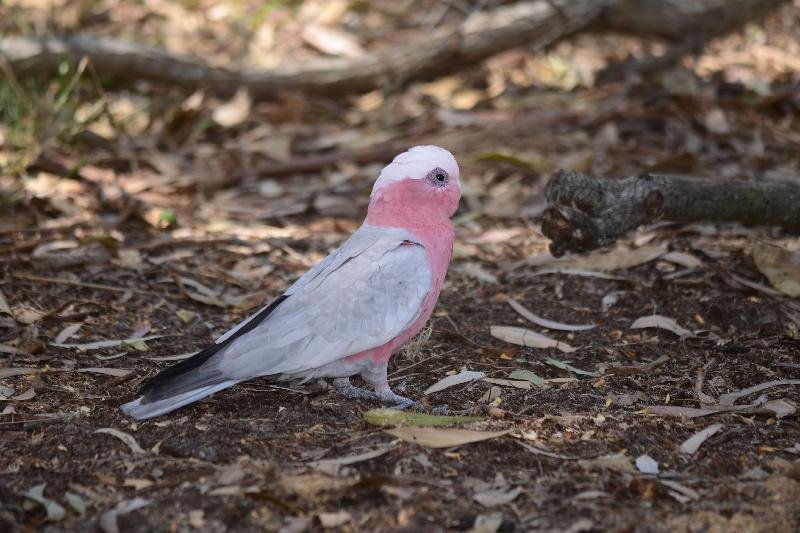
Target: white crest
{"points": [[416, 163]]}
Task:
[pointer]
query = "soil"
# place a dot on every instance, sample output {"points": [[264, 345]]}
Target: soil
{"points": [[239, 460], [228, 239]]}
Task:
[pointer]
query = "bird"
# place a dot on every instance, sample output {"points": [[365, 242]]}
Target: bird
{"points": [[348, 314]]}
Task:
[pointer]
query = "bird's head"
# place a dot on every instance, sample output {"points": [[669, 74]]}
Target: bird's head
{"points": [[422, 182]]}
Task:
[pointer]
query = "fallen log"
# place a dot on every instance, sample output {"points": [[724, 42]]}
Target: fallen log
{"points": [[535, 24], [538, 24], [587, 212]]}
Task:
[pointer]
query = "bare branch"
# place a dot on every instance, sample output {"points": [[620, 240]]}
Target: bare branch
{"points": [[587, 212], [534, 23]]}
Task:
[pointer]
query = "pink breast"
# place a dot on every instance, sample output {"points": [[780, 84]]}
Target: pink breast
{"points": [[410, 204], [438, 245]]}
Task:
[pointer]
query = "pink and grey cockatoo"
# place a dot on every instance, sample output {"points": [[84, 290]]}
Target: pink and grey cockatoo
{"points": [[349, 313]]}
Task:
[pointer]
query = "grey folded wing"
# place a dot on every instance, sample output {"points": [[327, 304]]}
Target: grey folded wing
{"points": [[362, 296]]}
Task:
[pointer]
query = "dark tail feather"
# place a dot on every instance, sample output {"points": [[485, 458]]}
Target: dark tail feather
{"points": [[194, 372]]}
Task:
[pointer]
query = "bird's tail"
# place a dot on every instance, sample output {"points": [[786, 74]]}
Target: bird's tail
{"points": [[141, 408]]}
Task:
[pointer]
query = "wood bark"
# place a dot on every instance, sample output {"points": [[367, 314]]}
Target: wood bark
{"points": [[536, 24], [586, 212]]}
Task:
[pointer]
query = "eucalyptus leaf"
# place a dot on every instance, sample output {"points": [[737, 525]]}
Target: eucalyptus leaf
{"points": [[393, 417]]}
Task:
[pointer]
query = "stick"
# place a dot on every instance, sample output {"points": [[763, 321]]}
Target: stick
{"points": [[62, 281], [535, 24], [587, 212]]}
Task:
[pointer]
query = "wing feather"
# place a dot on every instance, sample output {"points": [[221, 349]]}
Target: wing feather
{"points": [[365, 294]]}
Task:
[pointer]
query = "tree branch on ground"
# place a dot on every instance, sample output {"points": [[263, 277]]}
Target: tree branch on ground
{"points": [[587, 212], [536, 24]]}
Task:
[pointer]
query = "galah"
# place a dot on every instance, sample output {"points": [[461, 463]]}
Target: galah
{"points": [[348, 314]]}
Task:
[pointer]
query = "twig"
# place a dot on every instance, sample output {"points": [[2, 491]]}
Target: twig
{"points": [[698, 384], [399, 370], [587, 212], [88, 285], [539, 451]]}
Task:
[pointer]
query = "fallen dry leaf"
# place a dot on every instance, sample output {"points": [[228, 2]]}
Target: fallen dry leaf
{"points": [[679, 411], [731, 397], [619, 462], [545, 323], [661, 322], [680, 492], [683, 259], [527, 338], [105, 344], [235, 111], [197, 519], [331, 520], [108, 522], [538, 451], [332, 41], [568, 367], [315, 482], [124, 437], [67, 332], [331, 466], [528, 376], [386, 417], [516, 383], [487, 523], [693, 443], [4, 308], [27, 395], [498, 496], [780, 266], [620, 258], [465, 376], [16, 371], [55, 512], [138, 483], [475, 270], [781, 408], [582, 272], [26, 314], [76, 502], [432, 437], [116, 372], [646, 464]]}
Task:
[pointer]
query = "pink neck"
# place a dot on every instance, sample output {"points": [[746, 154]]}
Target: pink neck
{"points": [[410, 204]]}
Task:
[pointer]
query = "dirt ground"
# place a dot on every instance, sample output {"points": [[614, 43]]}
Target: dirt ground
{"points": [[579, 447]]}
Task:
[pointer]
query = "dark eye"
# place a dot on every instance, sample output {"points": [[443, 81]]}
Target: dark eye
{"points": [[438, 177]]}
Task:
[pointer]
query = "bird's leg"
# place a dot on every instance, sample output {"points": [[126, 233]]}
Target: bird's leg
{"points": [[348, 390], [378, 379]]}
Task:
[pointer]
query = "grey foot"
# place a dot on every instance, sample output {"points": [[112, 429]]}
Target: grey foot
{"points": [[440, 410], [395, 401], [348, 390]]}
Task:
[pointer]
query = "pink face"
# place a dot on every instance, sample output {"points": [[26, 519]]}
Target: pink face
{"points": [[422, 182], [436, 195]]}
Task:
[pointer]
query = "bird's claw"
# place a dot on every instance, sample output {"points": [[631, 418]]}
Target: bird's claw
{"points": [[348, 390], [443, 409], [382, 393], [395, 401]]}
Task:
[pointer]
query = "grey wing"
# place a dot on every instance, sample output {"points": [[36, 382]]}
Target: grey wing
{"points": [[369, 292], [364, 238]]}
